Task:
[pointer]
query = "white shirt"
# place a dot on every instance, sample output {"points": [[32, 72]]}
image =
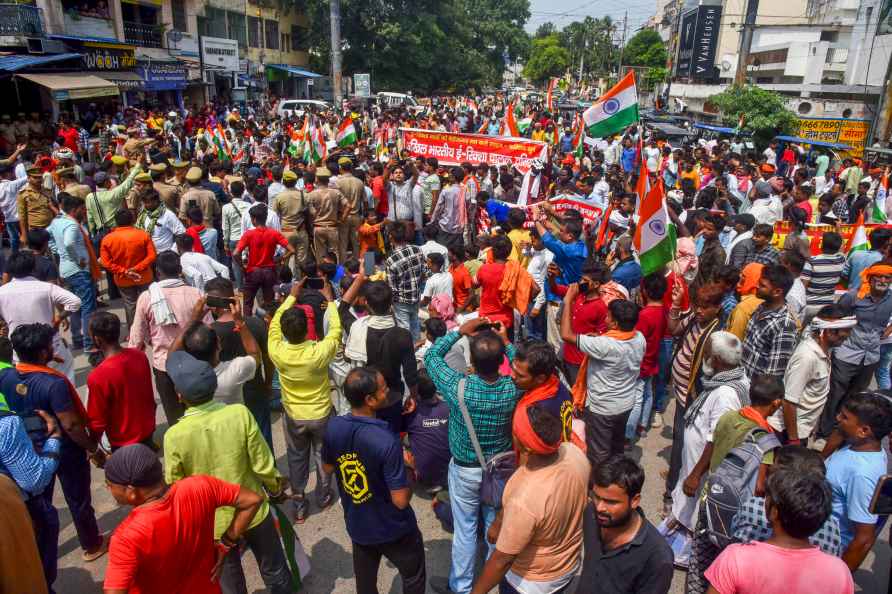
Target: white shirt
{"points": [[796, 298], [806, 385], [232, 219], [432, 247], [768, 210], [232, 375], [652, 154], [600, 191], [439, 283], [200, 268], [272, 221], [538, 269], [274, 190], [167, 227], [823, 185], [9, 192], [770, 156], [29, 301]]}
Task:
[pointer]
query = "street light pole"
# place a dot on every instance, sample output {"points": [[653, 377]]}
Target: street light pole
{"points": [[335, 11]]}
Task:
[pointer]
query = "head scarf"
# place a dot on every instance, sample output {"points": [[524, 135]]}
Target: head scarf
{"points": [[766, 168], [749, 278], [442, 304], [875, 270], [523, 430], [777, 184], [134, 465], [819, 323], [612, 291]]}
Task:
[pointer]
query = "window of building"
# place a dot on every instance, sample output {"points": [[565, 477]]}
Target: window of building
{"points": [[97, 9], [178, 12], [283, 41], [804, 107], [272, 34], [830, 36], [253, 32], [213, 23], [298, 38], [237, 30]]}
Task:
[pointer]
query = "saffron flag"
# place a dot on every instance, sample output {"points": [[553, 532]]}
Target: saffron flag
{"points": [[655, 234], [615, 110], [509, 122], [578, 137], [859, 237], [549, 94], [346, 133]]}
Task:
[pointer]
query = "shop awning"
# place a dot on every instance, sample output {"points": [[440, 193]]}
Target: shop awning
{"points": [[75, 85], [16, 62], [294, 71], [124, 79]]}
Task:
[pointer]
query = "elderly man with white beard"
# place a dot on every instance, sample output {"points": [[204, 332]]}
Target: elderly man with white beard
{"points": [[725, 388]]}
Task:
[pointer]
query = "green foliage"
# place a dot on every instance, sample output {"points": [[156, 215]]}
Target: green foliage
{"points": [[590, 43], [422, 45], [766, 114], [646, 48], [544, 30], [547, 58], [655, 75]]}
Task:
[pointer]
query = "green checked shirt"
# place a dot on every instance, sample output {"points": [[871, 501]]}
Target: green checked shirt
{"points": [[490, 405]]}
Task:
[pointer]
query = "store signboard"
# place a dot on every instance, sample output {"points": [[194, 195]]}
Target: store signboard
{"points": [[362, 84], [163, 76], [699, 41], [104, 58], [220, 53]]}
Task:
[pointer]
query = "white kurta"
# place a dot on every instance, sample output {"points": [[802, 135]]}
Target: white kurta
{"points": [[696, 436]]}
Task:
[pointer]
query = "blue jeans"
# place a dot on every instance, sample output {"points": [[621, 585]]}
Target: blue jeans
{"points": [[661, 380], [81, 284], [464, 498], [407, 317], [882, 373], [640, 414], [12, 227], [238, 274], [535, 325]]}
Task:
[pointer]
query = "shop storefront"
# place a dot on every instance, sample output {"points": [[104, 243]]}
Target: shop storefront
{"points": [[161, 84], [70, 91]]}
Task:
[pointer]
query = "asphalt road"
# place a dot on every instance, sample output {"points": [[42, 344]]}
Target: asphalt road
{"points": [[325, 538]]}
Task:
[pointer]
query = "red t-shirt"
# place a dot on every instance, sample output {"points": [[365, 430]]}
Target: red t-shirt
{"points": [[261, 243], [122, 403], [589, 316], [168, 545], [70, 136], [461, 285], [652, 323], [490, 277], [380, 195]]}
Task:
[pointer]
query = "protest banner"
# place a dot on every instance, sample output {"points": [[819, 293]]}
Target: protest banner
{"points": [[591, 213], [814, 233], [454, 149]]}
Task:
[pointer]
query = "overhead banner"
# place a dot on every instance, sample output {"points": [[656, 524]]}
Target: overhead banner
{"points": [[590, 212], [815, 232], [454, 149], [851, 132]]}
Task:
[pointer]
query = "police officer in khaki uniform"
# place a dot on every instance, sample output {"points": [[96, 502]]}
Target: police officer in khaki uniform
{"points": [[35, 204], [118, 166], [141, 183], [20, 127], [354, 191], [134, 146], [35, 127], [292, 208], [170, 194], [179, 176], [195, 195], [66, 181], [328, 207]]}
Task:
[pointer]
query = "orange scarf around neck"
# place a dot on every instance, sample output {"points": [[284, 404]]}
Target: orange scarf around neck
{"points": [[748, 412], [579, 387], [26, 368]]}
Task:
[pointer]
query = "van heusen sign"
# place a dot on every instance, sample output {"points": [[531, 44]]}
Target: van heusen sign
{"points": [[220, 53], [699, 41]]}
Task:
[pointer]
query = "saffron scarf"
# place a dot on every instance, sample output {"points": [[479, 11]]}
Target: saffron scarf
{"points": [[195, 233], [520, 424], [95, 273], [579, 388], [26, 368], [748, 412], [875, 270], [516, 288]]}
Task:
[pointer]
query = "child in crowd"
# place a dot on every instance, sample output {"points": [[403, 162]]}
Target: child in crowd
{"points": [[439, 282], [427, 430]]}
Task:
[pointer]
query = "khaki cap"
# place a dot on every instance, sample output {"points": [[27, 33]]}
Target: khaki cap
{"points": [[143, 177], [179, 164], [323, 172], [289, 176], [119, 160], [194, 174], [158, 167]]}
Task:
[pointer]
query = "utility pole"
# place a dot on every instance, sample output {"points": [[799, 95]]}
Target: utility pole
{"points": [[746, 41], [335, 11], [622, 46]]}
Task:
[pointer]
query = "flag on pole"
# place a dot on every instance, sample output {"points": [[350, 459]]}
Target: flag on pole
{"points": [[578, 137], [655, 234], [484, 127], [549, 94], [346, 133], [615, 110], [524, 125], [858, 243], [879, 201], [509, 122]]}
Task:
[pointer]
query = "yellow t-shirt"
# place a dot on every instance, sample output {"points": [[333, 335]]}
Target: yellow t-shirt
{"points": [[519, 237]]}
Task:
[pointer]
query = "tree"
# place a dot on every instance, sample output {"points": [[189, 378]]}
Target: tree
{"points": [[646, 48], [765, 112], [547, 59], [422, 45], [544, 30]]}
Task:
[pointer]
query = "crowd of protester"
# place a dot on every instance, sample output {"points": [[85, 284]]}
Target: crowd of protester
{"points": [[421, 333]]}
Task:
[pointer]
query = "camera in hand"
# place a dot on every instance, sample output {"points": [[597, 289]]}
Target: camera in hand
{"points": [[316, 283], [214, 301]]}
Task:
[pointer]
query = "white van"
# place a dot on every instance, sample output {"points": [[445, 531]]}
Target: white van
{"points": [[390, 100], [289, 107]]}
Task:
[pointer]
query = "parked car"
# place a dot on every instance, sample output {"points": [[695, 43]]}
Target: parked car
{"points": [[289, 107], [389, 100]]}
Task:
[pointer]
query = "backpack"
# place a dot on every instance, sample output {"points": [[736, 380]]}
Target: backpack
{"points": [[732, 483]]}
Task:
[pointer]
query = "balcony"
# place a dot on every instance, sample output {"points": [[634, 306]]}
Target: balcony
{"points": [[142, 34], [21, 20]]}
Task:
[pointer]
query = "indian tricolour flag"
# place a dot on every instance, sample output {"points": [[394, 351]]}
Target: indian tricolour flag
{"points": [[346, 133], [578, 138], [878, 215], [615, 110], [655, 234], [859, 243]]}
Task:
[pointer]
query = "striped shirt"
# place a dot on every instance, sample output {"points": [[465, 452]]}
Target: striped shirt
{"points": [[490, 405], [683, 361], [822, 273]]}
